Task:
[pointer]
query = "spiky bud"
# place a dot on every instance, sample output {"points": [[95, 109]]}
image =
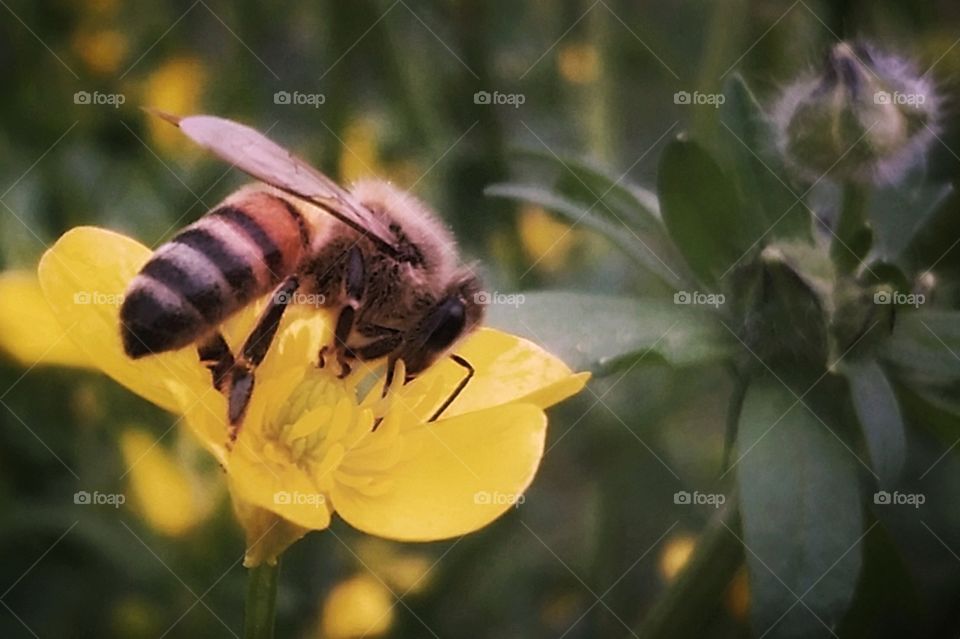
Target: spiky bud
{"points": [[865, 116]]}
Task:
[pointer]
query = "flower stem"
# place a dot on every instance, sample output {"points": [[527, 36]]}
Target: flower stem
{"points": [[701, 584], [853, 236], [261, 601]]}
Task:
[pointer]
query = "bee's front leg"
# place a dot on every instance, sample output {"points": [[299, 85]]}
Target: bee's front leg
{"points": [[254, 349], [354, 283]]}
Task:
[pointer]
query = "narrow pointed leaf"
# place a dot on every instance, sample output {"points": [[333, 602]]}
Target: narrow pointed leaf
{"points": [[880, 419]]}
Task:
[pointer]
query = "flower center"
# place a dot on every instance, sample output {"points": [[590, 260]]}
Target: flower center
{"points": [[329, 429]]}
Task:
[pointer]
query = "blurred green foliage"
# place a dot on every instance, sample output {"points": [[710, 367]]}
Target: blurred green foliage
{"points": [[593, 551]]}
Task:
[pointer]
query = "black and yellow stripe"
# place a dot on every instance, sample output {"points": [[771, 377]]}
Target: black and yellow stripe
{"points": [[207, 272]]}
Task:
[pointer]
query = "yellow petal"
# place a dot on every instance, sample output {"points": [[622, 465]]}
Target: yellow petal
{"points": [[465, 473], [282, 489], [508, 369], [84, 276], [28, 329]]}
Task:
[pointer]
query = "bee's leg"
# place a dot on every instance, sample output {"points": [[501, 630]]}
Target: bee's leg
{"points": [[354, 284], [459, 389], [215, 354], [254, 349], [379, 348], [340, 335], [388, 378]]}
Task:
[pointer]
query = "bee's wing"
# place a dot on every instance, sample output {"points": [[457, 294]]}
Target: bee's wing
{"points": [[255, 154]]}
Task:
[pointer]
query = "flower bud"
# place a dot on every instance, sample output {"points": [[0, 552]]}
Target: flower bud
{"points": [[866, 116]]}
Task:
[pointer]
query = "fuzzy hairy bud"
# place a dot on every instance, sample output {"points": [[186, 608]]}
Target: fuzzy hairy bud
{"points": [[866, 116]]}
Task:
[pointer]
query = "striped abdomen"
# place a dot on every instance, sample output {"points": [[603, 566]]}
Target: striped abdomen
{"points": [[212, 268]]}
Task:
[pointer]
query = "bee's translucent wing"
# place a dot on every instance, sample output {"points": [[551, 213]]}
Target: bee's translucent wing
{"points": [[255, 154]]}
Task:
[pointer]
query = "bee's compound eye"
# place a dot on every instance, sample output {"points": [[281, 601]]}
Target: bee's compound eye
{"points": [[451, 317]]}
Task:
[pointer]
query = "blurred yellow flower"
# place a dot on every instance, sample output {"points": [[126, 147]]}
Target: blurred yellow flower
{"points": [[676, 552], [578, 63], [546, 240], [161, 487], [359, 154], [403, 570], [101, 50], [737, 598], [176, 86], [360, 606], [308, 446]]}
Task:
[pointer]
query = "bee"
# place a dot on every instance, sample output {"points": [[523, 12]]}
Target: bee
{"points": [[376, 256]]}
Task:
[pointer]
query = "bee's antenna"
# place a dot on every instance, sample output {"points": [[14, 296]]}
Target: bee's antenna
{"points": [[163, 115]]}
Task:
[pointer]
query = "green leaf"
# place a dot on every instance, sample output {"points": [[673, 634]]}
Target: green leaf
{"points": [[600, 333], [702, 211], [757, 168], [581, 180], [925, 346], [880, 419], [801, 514], [898, 212], [651, 250]]}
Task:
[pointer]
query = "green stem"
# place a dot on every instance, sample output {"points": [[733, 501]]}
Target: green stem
{"points": [[261, 601], [701, 584], [741, 381], [852, 237]]}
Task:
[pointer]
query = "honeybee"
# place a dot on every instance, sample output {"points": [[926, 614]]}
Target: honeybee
{"points": [[376, 256]]}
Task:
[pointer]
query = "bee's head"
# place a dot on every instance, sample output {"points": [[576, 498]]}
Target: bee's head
{"points": [[454, 316]]}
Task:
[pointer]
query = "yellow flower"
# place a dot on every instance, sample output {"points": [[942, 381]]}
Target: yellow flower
{"points": [[101, 50], [176, 86], [357, 607], [313, 445], [169, 497], [546, 240]]}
